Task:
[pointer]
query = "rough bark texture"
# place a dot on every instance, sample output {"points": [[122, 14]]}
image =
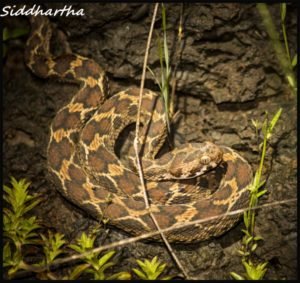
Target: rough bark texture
{"points": [[227, 75]]}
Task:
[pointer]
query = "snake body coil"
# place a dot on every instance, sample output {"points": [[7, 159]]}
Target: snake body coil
{"points": [[86, 170]]}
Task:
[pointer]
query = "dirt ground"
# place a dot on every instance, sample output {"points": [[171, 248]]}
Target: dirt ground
{"points": [[227, 75]]}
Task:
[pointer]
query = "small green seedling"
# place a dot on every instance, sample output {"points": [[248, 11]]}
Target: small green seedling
{"points": [[94, 263], [253, 272], [150, 270], [52, 246]]}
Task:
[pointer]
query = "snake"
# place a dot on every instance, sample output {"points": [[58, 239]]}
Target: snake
{"points": [[198, 182]]}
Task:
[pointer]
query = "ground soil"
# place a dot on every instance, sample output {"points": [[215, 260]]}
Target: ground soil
{"points": [[227, 75]]}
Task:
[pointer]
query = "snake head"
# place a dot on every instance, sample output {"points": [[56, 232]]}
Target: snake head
{"points": [[194, 159]]}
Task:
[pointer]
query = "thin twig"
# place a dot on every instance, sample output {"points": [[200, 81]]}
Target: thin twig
{"points": [[136, 147], [137, 126], [151, 234]]}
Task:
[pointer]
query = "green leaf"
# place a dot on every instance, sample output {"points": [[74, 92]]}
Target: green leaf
{"points": [[32, 205], [264, 128], [77, 271], [166, 51], [156, 80], [160, 53], [120, 276], [253, 248], [246, 232], [27, 226], [255, 123], [76, 248], [140, 263], [236, 276], [139, 274], [54, 254], [7, 254], [259, 194], [248, 240], [274, 120], [258, 238], [240, 252], [7, 190], [154, 263], [291, 80], [261, 266], [294, 61], [255, 182], [161, 268], [97, 275], [105, 266], [106, 258], [59, 239], [167, 277], [146, 267], [261, 183]]}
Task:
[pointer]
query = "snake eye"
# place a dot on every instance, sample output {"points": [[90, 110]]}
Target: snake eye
{"points": [[205, 160]]}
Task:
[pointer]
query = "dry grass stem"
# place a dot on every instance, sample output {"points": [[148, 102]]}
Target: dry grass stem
{"points": [[136, 140]]}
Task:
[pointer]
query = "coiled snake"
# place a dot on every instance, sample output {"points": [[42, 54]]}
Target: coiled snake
{"points": [[87, 171]]}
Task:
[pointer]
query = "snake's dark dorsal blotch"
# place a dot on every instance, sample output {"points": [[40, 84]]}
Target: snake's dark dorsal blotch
{"points": [[87, 172]]}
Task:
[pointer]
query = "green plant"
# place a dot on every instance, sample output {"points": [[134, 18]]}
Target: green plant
{"points": [[19, 230], [253, 272], [150, 270], [165, 68], [52, 246], [94, 263], [284, 58], [249, 241]]}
